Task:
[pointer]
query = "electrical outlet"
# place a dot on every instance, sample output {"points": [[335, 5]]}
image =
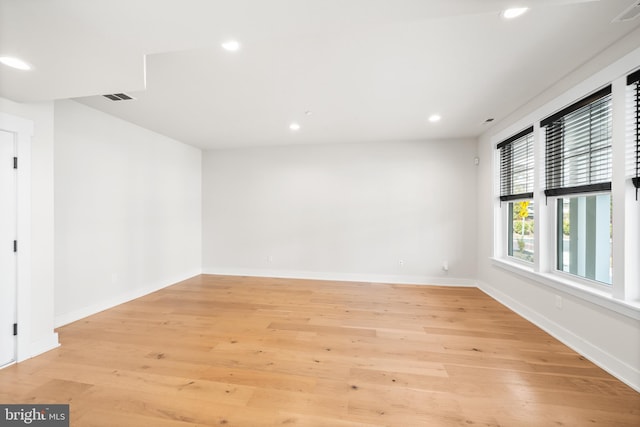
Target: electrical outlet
{"points": [[445, 265], [558, 302], [401, 263]]}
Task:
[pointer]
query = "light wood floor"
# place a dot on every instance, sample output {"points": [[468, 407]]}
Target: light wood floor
{"points": [[233, 351]]}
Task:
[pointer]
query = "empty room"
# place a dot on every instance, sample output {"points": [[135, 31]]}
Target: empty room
{"points": [[320, 213]]}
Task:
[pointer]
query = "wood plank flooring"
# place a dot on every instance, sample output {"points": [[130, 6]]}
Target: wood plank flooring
{"points": [[237, 351]]}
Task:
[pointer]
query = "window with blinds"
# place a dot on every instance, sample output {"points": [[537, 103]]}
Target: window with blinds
{"points": [[578, 146], [634, 81], [516, 166]]}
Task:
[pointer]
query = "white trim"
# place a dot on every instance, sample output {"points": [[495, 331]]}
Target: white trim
{"points": [[623, 295], [346, 277], [45, 344], [616, 367], [527, 265], [23, 131], [66, 318], [8, 364], [618, 184], [591, 294]]}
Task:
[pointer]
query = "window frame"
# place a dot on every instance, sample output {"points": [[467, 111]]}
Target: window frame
{"points": [[558, 176], [507, 240], [552, 175], [506, 190], [509, 143], [556, 228], [623, 296]]}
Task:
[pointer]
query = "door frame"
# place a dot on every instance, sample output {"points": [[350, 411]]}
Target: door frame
{"points": [[22, 129]]}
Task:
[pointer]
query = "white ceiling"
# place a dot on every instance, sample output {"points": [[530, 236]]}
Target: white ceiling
{"points": [[368, 70]]}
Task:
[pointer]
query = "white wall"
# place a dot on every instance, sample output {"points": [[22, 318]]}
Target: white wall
{"points": [[342, 211], [40, 330], [607, 337], [128, 211]]}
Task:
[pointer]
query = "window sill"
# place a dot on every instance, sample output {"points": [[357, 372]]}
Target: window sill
{"points": [[627, 308]]}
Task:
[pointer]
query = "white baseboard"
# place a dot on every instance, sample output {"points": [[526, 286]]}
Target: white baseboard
{"points": [[616, 367], [66, 318], [346, 277], [43, 345]]}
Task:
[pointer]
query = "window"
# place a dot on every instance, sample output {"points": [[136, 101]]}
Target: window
{"points": [[578, 172], [581, 167], [521, 230], [578, 146], [584, 237], [516, 183], [516, 166]]}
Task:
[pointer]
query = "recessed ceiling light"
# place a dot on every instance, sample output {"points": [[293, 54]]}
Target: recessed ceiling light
{"points": [[294, 126], [16, 63], [434, 118], [231, 45], [514, 12]]}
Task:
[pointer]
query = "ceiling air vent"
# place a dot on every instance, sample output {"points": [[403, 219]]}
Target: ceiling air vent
{"points": [[630, 13], [119, 97]]}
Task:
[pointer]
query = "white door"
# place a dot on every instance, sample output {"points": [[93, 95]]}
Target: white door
{"points": [[8, 256]]}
